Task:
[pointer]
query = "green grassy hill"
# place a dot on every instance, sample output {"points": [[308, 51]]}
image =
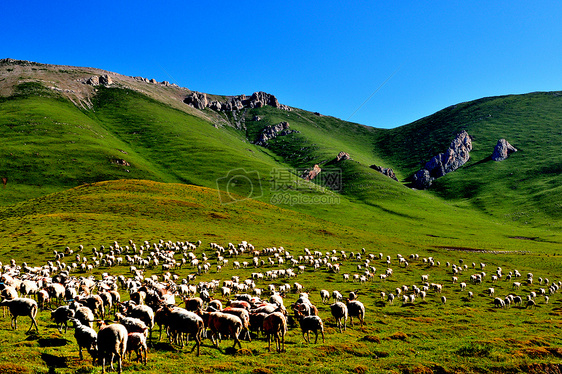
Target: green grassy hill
{"points": [[71, 134], [90, 165]]}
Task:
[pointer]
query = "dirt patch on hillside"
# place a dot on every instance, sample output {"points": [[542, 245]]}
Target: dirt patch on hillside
{"points": [[475, 250], [522, 238]]}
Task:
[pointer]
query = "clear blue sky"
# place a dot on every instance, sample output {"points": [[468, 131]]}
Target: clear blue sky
{"points": [[326, 56]]}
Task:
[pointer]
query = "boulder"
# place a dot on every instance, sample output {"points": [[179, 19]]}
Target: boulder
{"points": [[232, 103], [215, 105], [198, 100], [270, 132], [260, 99], [422, 180], [93, 81], [343, 156], [385, 171], [105, 80], [502, 150], [310, 174], [453, 158]]}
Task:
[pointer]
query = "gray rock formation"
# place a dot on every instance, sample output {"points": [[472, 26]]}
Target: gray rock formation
{"points": [[310, 174], [93, 81], [502, 150], [385, 171], [271, 132], [343, 156], [198, 100], [453, 158], [232, 103], [105, 80]]}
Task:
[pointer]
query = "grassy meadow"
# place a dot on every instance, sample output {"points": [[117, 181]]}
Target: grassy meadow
{"points": [[93, 165]]}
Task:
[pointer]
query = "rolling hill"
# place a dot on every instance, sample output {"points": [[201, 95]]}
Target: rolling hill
{"points": [[62, 131], [90, 158]]}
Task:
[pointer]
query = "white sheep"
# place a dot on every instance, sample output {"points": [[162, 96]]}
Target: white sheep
{"points": [[310, 323], [275, 324], [112, 342], [339, 312], [355, 308], [22, 306], [86, 337], [337, 296], [136, 342], [325, 295]]}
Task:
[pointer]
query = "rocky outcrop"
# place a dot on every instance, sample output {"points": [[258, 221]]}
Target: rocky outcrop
{"points": [[453, 158], [502, 150], [198, 100], [385, 171], [310, 174], [104, 80], [271, 132], [232, 103], [343, 156]]}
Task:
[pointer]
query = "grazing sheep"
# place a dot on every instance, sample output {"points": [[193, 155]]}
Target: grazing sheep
{"points": [[85, 316], [531, 304], [112, 342], [337, 296], [311, 323], [142, 312], [181, 321], [136, 342], [56, 291], [86, 337], [355, 308], [390, 298], [325, 295], [193, 304], [499, 303], [22, 306], [275, 324], [223, 324], [132, 324], [339, 312], [61, 316], [443, 300], [244, 317], [42, 299], [95, 303]]}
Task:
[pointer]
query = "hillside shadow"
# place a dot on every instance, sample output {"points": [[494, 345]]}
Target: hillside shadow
{"points": [[52, 342], [53, 361]]}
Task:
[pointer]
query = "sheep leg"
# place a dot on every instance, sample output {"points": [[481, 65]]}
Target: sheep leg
{"points": [[119, 363], [197, 343], [236, 340], [33, 323], [316, 333]]}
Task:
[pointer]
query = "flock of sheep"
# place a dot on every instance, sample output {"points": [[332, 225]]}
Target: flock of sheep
{"points": [[63, 283]]}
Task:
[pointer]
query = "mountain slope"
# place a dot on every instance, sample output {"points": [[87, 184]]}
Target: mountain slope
{"points": [[60, 132], [523, 188]]}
